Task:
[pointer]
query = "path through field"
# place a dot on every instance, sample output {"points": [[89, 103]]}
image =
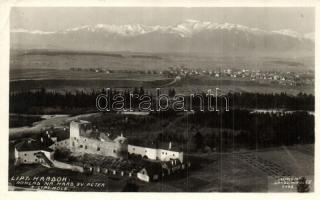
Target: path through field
{"points": [[270, 168], [58, 121]]}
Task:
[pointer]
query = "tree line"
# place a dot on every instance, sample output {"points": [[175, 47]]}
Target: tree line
{"points": [[222, 131], [37, 101]]}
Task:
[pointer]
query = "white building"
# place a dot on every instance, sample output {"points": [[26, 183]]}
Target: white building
{"points": [[160, 153], [150, 172], [27, 152]]}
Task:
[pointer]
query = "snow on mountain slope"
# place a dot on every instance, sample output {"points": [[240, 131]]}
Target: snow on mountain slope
{"points": [[32, 31], [288, 32], [185, 29], [189, 35]]}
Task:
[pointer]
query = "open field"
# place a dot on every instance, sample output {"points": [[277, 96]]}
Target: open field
{"points": [[57, 121], [226, 86], [27, 79], [146, 61], [51, 70], [47, 74], [67, 80], [229, 172]]}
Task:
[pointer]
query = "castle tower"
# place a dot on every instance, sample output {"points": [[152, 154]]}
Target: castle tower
{"points": [[74, 129], [79, 128]]}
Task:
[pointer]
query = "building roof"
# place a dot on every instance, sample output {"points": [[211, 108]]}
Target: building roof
{"points": [[157, 145], [152, 168], [120, 139], [34, 145], [80, 121], [60, 134], [171, 163], [101, 136], [104, 137], [91, 134]]}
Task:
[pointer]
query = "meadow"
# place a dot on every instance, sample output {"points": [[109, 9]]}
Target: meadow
{"points": [[51, 70], [67, 80], [22, 59]]}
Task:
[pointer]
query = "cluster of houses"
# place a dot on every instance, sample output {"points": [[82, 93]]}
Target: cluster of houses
{"points": [[277, 77], [282, 78], [83, 139]]}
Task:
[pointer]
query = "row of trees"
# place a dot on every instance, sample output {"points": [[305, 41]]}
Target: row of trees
{"points": [[220, 131], [28, 101], [242, 129]]}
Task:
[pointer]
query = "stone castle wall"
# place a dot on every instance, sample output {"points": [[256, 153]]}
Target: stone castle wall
{"points": [[93, 146]]}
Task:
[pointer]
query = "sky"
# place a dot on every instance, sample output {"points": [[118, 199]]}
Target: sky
{"points": [[59, 18]]}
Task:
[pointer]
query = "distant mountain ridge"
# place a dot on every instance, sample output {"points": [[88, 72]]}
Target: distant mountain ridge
{"points": [[187, 36]]}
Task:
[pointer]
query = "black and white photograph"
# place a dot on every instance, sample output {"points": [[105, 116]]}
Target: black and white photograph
{"points": [[162, 99]]}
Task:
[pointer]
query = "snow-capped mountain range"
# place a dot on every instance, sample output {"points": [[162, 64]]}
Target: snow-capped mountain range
{"points": [[187, 36]]}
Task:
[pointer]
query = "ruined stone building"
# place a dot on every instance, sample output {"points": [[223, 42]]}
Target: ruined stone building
{"points": [[83, 139]]}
